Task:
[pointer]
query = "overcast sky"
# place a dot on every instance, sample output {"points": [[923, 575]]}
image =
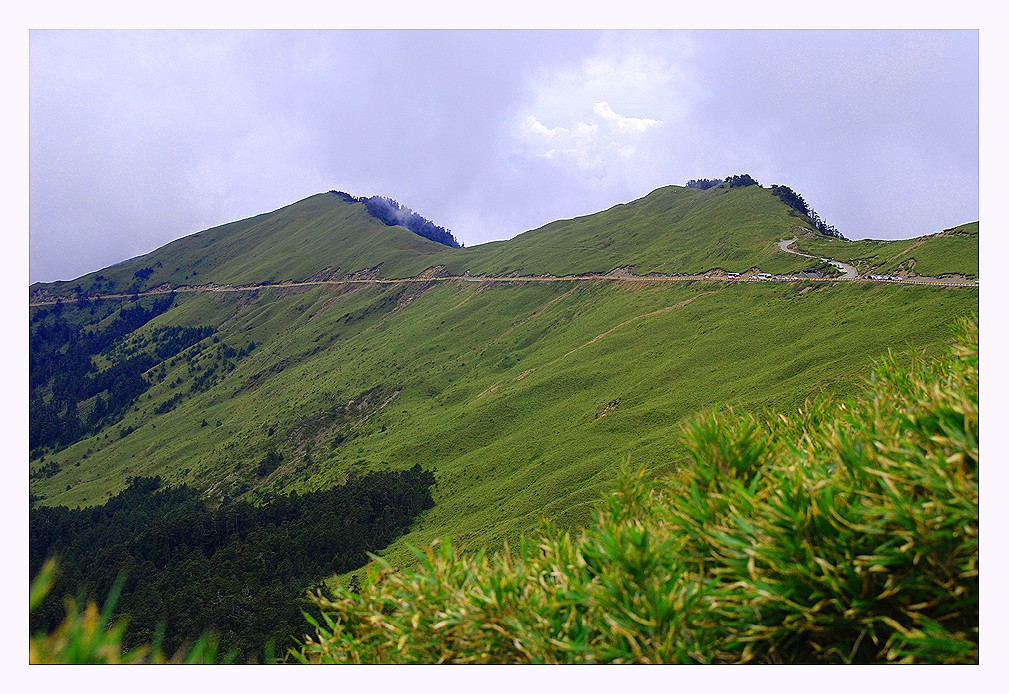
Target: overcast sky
{"points": [[138, 138]]}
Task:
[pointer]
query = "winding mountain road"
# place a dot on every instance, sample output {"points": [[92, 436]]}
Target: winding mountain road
{"points": [[849, 270]]}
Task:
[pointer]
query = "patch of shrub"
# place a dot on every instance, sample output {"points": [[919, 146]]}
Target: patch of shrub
{"points": [[50, 469], [703, 183], [270, 462], [741, 181]]}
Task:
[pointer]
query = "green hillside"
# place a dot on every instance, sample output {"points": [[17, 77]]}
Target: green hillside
{"points": [[844, 534], [323, 235], [950, 252], [523, 398], [672, 230]]}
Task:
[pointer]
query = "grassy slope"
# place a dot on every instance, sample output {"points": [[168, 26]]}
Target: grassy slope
{"points": [[524, 398], [294, 242], [951, 252], [672, 230], [844, 534], [503, 389]]}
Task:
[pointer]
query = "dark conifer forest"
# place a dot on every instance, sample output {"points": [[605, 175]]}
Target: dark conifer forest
{"points": [[238, 570], [798, 203], [70, 397]]}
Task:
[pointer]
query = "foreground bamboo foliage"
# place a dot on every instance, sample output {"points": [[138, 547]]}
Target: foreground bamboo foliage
{"points": [[88, 636]]}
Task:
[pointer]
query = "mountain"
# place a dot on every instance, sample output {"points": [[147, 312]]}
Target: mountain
{"points": [[522, 397], [433, 345], [325, 234], [951, 252], [673, 230]]}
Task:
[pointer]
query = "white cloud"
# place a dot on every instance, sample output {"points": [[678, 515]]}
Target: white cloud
{"points": [[605, 139], [636, 73], [624, 124], [574, 144], [606, 118]]}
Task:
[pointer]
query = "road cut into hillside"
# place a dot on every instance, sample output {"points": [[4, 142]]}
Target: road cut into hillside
{"points": [[850, 272], [851, 275]]}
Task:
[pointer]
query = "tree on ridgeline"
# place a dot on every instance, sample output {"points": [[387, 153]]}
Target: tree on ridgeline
{"points": [[390, 212], [703, 183], [791, 198], [823, 227], [797, 203], [741, 181]]}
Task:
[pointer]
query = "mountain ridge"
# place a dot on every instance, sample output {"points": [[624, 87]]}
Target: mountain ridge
{"points": [[522, 395], [671, 230]]}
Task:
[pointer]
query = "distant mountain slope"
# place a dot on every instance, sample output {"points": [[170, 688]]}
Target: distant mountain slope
{"points": [[523, 398], [672, 230], [953, 251], [321, 234]]}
